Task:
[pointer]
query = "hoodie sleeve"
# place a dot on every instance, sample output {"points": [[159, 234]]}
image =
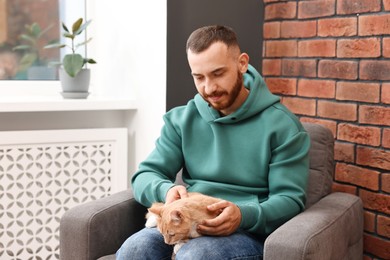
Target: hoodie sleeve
{"points": [[288, 173], [156, 174]]}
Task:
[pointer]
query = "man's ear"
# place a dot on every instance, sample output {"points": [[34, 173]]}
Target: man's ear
{"points": [[243, 61]]}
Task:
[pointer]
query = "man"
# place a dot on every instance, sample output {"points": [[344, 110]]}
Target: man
{"points": [[234, 141]]}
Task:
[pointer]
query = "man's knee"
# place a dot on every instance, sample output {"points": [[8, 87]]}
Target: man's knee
{"points": [[145, 244]]}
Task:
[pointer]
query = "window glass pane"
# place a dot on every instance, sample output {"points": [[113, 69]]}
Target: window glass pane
{"points": [[26, 26]]}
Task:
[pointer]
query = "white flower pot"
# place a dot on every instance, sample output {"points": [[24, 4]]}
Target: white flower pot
{"points": [[75, 87]]}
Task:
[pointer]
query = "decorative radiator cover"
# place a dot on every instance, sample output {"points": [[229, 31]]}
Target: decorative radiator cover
{"points": [[44, 173]]}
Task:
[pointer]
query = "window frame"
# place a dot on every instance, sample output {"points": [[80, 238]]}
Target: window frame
{"points": [[25, 88]]}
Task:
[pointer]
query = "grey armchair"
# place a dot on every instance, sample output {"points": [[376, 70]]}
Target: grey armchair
{"points": [[331, 227]]}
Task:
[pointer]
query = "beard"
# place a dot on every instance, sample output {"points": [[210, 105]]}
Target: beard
{"points": [[227, 98]]}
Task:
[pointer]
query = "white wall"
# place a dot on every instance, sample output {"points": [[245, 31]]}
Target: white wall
{"points": [[130, 48]]}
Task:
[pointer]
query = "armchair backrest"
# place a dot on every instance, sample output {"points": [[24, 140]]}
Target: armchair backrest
{"points": [[321, 162]]}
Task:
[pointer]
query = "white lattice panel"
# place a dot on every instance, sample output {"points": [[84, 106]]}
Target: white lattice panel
{"points": [[44, 173]]}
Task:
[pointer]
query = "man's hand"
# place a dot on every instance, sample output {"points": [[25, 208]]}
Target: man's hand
{"points": [[226, 223], [175, 193]]}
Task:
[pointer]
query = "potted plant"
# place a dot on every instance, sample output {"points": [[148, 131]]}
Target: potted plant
{"points": [[31, 62], [74, 76]]}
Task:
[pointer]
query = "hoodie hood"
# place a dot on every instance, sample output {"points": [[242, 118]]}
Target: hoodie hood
{"points": [[259, 99]]}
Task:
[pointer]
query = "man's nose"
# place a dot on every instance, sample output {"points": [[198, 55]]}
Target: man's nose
{"points": [[209, 86]]}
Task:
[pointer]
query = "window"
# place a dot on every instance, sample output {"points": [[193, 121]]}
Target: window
{"points": [[26, 26]]}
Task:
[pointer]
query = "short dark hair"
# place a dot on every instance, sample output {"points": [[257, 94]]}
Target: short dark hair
{"points": [[202, 38]]}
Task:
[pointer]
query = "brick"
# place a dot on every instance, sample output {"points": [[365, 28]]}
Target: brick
{"points": [[357, 176], [374, 69], [369, 221], [331, 125], [295, 67], [271, 67], [282, 86], [375, 115], [359, 48], [375, 201], [298, 29], [271, 30], [359, 134], [386, 138], [374, 24], [316, 88], [316, 8], [386, 3], [336, 27], [386, 47], [376, 246], [337, 187], [283, 48], [317, 48], [358, 6], [383, 226], [373, 157], [344, 152], [386, 93], [386, 182], [358, 91], [335, 110], [338, 69], [300, 106], [286, 10]]}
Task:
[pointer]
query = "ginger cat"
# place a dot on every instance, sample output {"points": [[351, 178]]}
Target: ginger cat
{"points": [[178, 220]]}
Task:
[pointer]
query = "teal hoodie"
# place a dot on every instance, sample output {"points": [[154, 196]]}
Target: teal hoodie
{"points": [[256, 157]]}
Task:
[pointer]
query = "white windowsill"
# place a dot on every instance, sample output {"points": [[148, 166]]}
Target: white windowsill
{"points": [[57, 103], [44, 96]]}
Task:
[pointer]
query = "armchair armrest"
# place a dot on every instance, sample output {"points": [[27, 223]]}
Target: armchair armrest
{"points": [[98, 228], [331, 229]]}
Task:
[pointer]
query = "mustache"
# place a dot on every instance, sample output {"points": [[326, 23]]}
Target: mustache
{"points": [[215, 94]]}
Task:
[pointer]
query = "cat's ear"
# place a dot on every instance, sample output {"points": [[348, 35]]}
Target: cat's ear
{"points": [[156, 208], [176, 216]]}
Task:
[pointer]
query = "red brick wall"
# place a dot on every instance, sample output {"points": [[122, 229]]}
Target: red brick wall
{"points": [[329, 60], [22, 12]]}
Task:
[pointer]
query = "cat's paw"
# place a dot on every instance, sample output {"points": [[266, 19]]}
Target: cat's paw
{"points": [[151, 221], [177, 247]]}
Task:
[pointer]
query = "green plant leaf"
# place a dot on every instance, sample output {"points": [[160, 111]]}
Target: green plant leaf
{"points": [[76, 25], [90, 61], [68, 35], [54, 45], [65, 28], [35, 30], [82, 27], [27, 60], [28, 38], [73, 63], [83, 43], [21, 47]]}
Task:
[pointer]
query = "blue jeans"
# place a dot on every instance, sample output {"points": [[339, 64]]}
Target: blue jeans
{"points": [[149, 244]]}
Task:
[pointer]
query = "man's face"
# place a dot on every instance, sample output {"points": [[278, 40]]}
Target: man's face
{"points": [[217, 74]]}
